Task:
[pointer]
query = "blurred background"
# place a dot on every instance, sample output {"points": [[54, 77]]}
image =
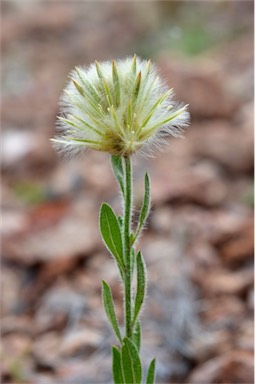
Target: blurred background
{"points": [[199, 242]]}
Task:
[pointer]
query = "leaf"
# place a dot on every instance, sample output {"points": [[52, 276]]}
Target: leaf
{"points": [[141, 285], [151, 372], [137, 366], [132, 262], [126, 365], [146, 205], [118, 170], [137, 335], [109, 309], [120, 220], [116, 366], [131, 364], [111, 233], [131, 238]]}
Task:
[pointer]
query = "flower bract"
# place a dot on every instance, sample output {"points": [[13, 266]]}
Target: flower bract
{"points": [[118, 107]]}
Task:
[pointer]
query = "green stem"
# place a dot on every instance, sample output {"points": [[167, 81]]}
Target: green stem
{"points": [[127, 246]]}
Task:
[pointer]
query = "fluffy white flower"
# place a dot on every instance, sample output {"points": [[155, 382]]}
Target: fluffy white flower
{"points": [[117, 107]]}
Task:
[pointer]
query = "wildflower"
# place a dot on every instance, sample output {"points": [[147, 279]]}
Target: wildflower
{"points": [[117, 107]]}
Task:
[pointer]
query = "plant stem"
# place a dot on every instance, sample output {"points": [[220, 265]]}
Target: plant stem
{"points": [[127, 246]]}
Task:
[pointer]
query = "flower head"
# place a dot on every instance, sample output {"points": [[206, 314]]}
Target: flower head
{"points": [[117, 107]]}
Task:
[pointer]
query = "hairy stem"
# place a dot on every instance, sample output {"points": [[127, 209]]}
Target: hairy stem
{"points": [[127, 246]]}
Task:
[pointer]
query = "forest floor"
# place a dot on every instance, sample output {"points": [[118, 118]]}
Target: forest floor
{"points": [[198, 244]]}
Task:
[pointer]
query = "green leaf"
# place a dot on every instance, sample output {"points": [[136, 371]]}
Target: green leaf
{"points": [[137, 335], [109, 309], [151, 372], [132, 262], [126, 365], [111, 233], [120, 220], [131, 364], [116, 366], [132, 238], [146, 201], [146, 205], [141, 285], [118, 170], [136, 362]]}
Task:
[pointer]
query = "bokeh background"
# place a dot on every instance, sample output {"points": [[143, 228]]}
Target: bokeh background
{"points": [[199, 240]]}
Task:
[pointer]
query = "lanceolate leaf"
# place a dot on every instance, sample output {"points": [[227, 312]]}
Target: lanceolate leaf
{"points": [[126, 365], [141, 285], [131, 364], [137, 335], [109, 309], [132, 262], [151, 372], [118, 170], [146, 205], [120, 220], [116, 366], [111, 233], [137, 366]]}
